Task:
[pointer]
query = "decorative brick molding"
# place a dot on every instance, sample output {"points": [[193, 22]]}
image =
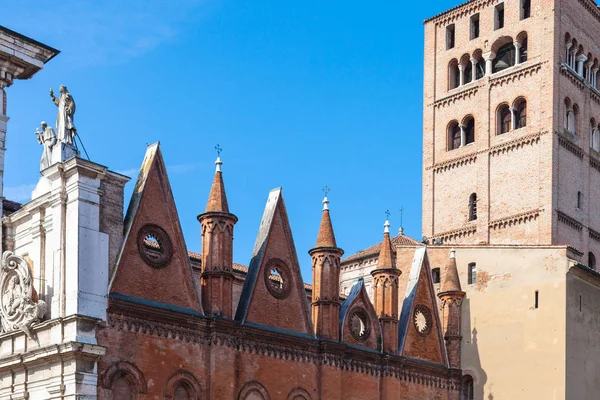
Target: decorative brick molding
{"points": [[592, 7], [575, 79], [594, 162], [199, 331], [464, 94], [455, 234], [454, 163], [570, 146], [516, 75], [594, 235], [517, 219], [516, 144], [595, 95], [570, 222], [462, 10]]}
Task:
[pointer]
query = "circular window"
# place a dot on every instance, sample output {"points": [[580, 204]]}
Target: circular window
{"points": [[422, 319], [155, 246], [277, 279], [359, 325]]}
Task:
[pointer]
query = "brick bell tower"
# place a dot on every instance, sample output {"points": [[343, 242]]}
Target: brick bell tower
{"points": [[217, 250], [451, 297], [385, 283], [326, 280]]}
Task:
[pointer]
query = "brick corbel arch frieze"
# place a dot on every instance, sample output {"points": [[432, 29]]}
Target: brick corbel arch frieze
{"points": [[185, 377], [299, 393], [137, 376], [253, 386]]}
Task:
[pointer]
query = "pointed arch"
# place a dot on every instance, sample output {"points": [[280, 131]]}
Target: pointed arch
{"points": [[299, 394], [124, 370], [182, 382], [253, 390]]}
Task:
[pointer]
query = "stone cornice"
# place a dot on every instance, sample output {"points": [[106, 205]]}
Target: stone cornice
{"points": [[516, 219], [145, 320], [569, 221], [516, 74], [463, 94], [516, 143]]}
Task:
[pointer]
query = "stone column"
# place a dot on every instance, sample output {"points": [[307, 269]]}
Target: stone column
{"points": [[489, 58], [580, 60], [513, 119], [473, 69], [517, 52], [463, 135], [593, 77], [572, 59], [461, 69], [568, 53]]}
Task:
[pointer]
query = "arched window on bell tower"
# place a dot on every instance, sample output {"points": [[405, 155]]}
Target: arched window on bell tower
{"points": [[473, 207]]}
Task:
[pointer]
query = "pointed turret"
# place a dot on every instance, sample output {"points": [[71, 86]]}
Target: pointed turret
{"points": [[217, 199], [217, 250], [386, 285], [451, 297], [326, 237], [326, 279]]}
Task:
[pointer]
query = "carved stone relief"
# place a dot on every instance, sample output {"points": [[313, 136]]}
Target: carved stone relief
{"points": [[18, 310]]}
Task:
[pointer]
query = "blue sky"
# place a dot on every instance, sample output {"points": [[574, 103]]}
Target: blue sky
{"points": [[298, 94]]}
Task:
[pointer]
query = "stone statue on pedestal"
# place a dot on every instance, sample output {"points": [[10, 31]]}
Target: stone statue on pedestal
{"points": [[59, 145], [65, 127], [47, 138]]}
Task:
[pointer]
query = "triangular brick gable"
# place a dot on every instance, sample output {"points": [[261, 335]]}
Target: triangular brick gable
{"points": [[282, 307], [419, 301], [358, 302], [160, 273]]}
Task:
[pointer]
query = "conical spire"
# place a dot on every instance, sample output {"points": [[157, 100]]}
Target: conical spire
{"points": [[326, 237], [217, 199], [451, 281], [385, 254]]}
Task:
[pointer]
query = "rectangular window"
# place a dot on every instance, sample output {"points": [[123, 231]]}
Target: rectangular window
{"points": [[537, 299], [525, 9], [474, 26], [472, 273], [499, 16], [435, 273], [579, 200], [450, 36]]}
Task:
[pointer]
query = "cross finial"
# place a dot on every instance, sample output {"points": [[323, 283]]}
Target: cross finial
{"points": [[401, 230], [386, 225], [326, 190], [218, 162]]}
